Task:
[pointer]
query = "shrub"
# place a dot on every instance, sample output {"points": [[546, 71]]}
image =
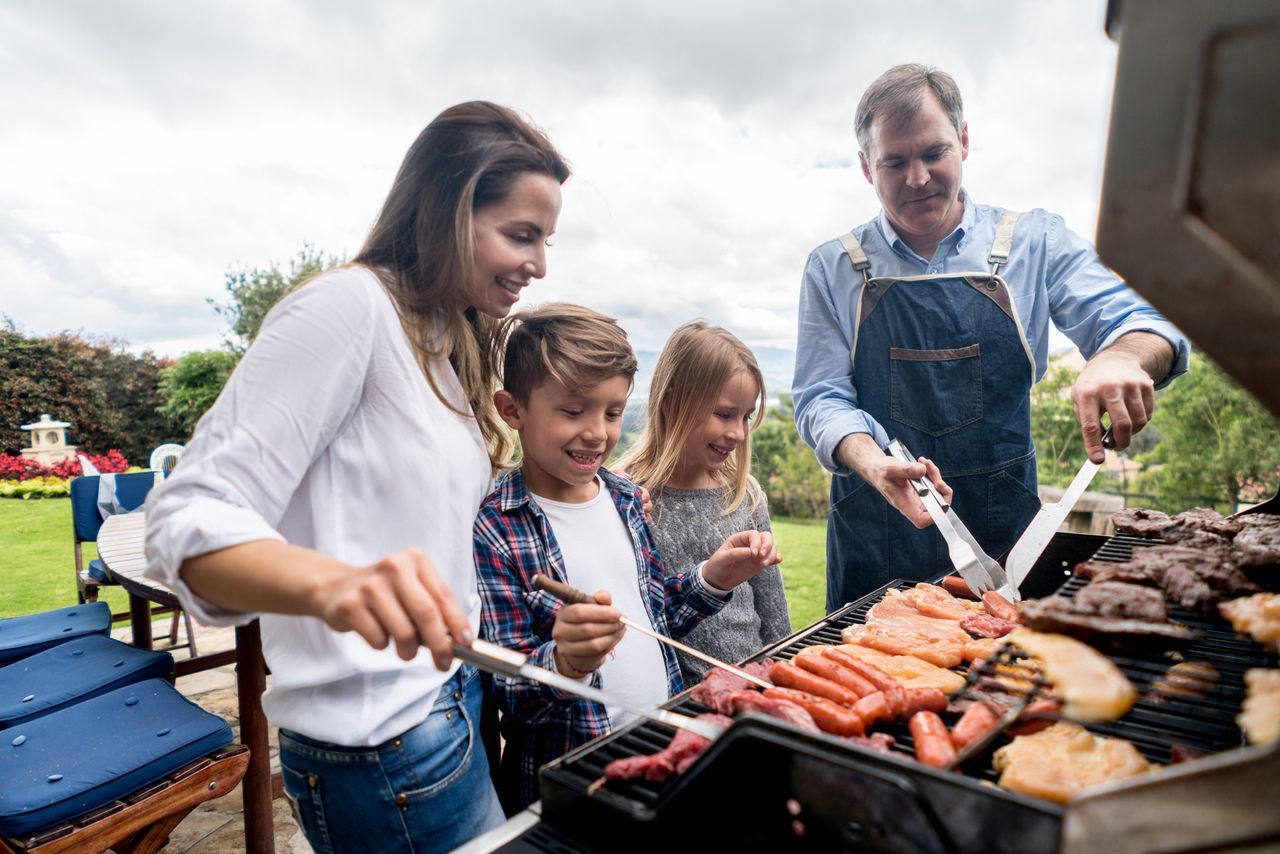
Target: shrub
{"points": [[14, 468]]}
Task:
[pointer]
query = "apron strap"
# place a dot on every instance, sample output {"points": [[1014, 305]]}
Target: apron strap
{"points": [[1001, 246], [853, 249]]}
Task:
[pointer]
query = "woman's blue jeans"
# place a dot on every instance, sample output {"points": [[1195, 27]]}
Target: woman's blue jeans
{"points": [[427, 790]]}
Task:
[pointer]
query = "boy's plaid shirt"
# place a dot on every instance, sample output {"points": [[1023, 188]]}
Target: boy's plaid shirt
{"points": [[514, 541]]}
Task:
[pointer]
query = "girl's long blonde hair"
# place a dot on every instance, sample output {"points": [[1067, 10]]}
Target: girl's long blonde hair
{"points": [[696, 363], [422, 246]]}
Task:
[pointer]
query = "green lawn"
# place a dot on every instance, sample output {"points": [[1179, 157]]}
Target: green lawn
{"points": [[37, 562], [37, 558]]}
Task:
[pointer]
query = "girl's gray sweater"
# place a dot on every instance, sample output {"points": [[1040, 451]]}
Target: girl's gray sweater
{"points": [[689, 527]]}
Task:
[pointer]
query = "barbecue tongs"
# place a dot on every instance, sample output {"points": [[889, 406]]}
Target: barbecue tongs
{"points": [[507, 662], [975, 566]]}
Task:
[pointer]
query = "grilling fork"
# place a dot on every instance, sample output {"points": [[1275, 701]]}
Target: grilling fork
{"points": [[978, 569]]}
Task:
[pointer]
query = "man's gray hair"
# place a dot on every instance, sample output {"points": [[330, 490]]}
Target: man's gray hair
{"points": [[898, 94]]}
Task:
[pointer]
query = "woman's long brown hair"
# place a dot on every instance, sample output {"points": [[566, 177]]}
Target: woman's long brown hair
{"points": [[422, 245]]}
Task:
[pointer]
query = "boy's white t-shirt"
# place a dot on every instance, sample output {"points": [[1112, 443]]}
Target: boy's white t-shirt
{"points": [[599, 555]]}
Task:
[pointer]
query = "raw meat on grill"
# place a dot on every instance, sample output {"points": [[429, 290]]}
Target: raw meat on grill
{"points": [[1091, 686], [748, 701], [830, 716], [980, 718], [1257, 616], [932, 741], [880, 742], [1063, 760], [1141, 521], [673, 759], [1259, 718], [897, 626], [999, 607], [986, 626], [717, 689]]}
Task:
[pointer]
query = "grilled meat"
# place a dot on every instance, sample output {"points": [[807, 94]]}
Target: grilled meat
{"points": [[1141, 521], [746, 702], [1092, 688], [1187, 679], [1195, 539], [717, 689], [1189, 590], [1206, 519], [683, 750], [1063, 760], [986, 626], [1258, 545], [911, 672], [1117, 599]]}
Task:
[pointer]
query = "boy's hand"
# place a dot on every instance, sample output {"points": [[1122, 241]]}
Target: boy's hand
{"points": [[584, 634], [742, 556]]}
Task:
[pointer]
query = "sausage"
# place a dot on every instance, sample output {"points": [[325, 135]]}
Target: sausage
{"points": [[957, 587], [787, 675], [999, 607], [874, 708], [1038, 715], [829, 669], [933, 742], [924, 700], [830, 716], [847, 663], [877, 677], [976, 721]]}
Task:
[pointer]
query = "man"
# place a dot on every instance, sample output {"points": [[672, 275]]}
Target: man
{"points": [[930, 324]]}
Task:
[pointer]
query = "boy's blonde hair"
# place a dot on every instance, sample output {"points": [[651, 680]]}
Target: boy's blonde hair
{"points": [[574, 346], [696, 363]]}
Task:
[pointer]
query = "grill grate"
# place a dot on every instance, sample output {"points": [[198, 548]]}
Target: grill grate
{"points": [[1156, 725]]}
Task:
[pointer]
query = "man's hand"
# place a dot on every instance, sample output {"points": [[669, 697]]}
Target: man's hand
{"points": [[585, 633], [891, 477], [400, 599], [1120, 381], [739, 558]]}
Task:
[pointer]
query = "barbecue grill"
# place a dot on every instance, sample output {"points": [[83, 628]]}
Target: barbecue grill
{"points": [[764, 783]]}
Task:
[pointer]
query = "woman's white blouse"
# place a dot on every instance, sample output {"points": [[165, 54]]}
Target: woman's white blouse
{"points": [[328, 436]]}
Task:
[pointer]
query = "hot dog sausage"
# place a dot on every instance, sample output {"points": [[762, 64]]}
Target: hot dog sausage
{"points": [[846, 662], [787, 675], [1000, 607], [956, 586], [874, 708], [828, 715], [925, 700], [933, 742], [976, 721], [829, 669]]}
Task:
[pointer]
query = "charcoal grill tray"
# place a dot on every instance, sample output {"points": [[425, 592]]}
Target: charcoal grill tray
{"points": [[957, 812]]}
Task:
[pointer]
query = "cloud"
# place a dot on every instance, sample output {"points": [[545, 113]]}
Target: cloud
{"points": [[149, 146]]}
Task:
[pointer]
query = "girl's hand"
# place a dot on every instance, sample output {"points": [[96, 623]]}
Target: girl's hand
{"points": [[584, 634], [742, 556], [401, 598]]}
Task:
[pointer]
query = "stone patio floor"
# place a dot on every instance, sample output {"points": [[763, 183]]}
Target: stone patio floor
{"points": [[217, 826]]}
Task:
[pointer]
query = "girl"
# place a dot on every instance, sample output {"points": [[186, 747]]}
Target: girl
{"points": [[694, 458], [332, 488]]}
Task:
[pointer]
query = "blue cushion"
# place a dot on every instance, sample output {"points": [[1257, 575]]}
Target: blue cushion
{"points": [[74, 671], [131, 492], [23, 636], [85, 756], [96, 572]]}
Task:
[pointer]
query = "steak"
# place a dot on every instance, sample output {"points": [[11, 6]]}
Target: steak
{"points": [[1117, 599], [1141, 521]]}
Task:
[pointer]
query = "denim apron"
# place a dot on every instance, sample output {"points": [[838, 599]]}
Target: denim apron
{"points": [[941, 362]]}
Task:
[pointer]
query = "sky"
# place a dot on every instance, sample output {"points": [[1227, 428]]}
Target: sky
{"points": [[146, 148]]}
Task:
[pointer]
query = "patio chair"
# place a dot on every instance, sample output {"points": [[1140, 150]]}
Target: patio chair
{"points": [[86, 517]]}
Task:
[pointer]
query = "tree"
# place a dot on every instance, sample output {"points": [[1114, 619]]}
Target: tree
{"points": [[191, 385], [254, 291], [788, 471], [1054, 428], [1215, 441]]}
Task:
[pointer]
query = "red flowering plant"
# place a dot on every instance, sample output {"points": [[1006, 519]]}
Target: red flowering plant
{"points": [[22, 468]]}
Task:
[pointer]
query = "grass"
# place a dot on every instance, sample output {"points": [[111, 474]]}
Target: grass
{"points": [[37, 558], [37, 562]]}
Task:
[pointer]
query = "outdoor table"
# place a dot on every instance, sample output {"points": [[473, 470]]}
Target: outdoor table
{"points": [[121, 550]]}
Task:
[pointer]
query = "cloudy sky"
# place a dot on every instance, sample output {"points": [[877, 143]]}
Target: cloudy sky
{"points": [[147, 147]]}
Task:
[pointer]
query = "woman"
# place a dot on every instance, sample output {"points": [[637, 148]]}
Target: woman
{"points": [[332, 488]]}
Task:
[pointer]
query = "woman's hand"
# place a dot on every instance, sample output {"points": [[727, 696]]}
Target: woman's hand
{"points": [[400, 599], [739, 558], [584, 634]]}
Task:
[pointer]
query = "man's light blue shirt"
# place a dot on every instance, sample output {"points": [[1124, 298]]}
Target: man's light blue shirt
{"points": [[1053, 274]]}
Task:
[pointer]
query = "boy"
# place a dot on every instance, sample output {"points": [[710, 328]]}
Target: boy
{"points": [[567, 373]]}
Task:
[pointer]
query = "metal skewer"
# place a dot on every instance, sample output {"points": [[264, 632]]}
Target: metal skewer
{"points": [[506, 662], [573, 596]]}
